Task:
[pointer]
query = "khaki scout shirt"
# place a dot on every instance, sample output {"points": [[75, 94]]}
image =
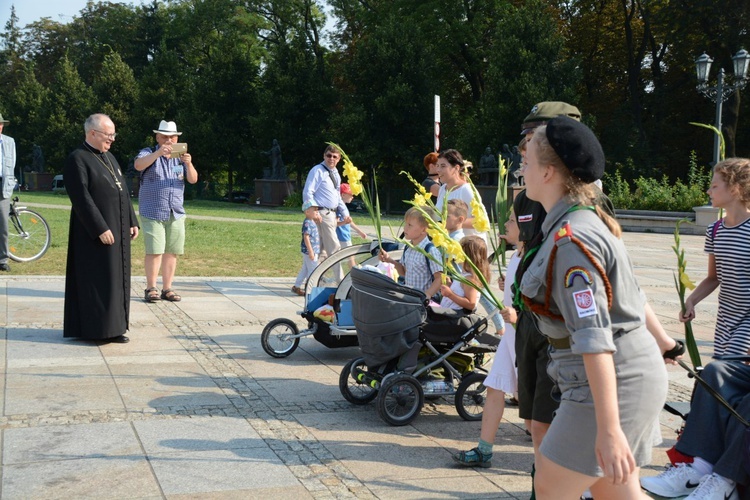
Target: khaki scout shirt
{"points": [[578, 291]]}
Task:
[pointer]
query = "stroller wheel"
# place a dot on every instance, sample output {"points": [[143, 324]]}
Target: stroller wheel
{"points": [[470, 396], [356, 390], [400, 399], [276, 338]]}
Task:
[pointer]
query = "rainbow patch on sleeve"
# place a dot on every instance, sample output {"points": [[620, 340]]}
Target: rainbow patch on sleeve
{"points": [[575, 272]]}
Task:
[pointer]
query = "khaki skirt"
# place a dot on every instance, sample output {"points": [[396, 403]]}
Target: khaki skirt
{"points": [[641, 393]]}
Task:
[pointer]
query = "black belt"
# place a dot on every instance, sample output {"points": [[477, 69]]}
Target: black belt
{"points": [[563, 343], [326, 208]]}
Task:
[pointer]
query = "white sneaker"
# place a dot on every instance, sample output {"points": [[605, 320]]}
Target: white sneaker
{"points": [[676, 481], [715, 487]]}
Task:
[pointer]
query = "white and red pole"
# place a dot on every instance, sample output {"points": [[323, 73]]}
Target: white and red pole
{"points": [[437, 123]]}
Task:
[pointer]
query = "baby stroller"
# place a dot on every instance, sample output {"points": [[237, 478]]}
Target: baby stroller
{"points": [[405, 343], [280, 337]]}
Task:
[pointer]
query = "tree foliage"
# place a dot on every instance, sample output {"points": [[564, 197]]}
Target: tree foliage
{"points": [[236, 74]]}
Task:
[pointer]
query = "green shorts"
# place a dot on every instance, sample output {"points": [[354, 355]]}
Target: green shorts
{"points": [[161, 237]]}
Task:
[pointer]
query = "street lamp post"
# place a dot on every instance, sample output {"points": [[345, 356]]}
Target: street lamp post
{"points": [[723, 90]]}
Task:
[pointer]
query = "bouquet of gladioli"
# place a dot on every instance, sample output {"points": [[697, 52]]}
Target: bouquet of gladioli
{"points": [[450, 248]]}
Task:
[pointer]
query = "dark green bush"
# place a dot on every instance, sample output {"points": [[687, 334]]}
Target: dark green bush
{"points": [[659, 194], [294, 200]]}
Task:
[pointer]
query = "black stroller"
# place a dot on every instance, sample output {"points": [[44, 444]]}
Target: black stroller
{"points": [[405, 344]]}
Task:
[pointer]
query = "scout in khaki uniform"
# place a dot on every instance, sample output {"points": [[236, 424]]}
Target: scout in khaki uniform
{"points": [[606, 366]]}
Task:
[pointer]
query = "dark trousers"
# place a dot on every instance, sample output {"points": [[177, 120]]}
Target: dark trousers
{"points": [[711, 432]]}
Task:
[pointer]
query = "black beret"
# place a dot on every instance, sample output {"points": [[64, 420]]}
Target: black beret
{"points": [[577, 147], [530, 214]]}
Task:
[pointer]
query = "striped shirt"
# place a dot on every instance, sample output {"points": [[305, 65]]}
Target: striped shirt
{"points": [[162, 188], [731, 249]]}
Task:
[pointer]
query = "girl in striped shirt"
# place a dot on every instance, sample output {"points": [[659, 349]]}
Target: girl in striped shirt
{"points": [[728, 248]]}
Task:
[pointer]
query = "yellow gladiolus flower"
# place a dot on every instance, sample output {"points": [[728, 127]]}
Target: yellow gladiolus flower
{"points": [[481, 222], [419, 200], [356, 188], [455, 251], [438, 238], [685, 280], [503, 169], [351, 172]]}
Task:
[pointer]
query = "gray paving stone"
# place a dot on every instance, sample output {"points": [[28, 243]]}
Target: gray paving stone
{"points": [[193, 408], [197, 434], [220, 470], [106, 477], [56, 443]]}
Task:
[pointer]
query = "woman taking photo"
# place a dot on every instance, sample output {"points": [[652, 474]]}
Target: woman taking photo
{"points": [[581, 288]]}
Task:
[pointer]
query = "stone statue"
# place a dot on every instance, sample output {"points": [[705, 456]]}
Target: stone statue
{"points": [[278, 171], [514, 169], [488, 168], [37, 159]]}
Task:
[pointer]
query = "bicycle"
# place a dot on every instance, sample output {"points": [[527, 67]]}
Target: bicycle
{"points": [[28, 234]]}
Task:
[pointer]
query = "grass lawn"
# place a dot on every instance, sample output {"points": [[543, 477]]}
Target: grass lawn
{"points": [[265, 243]]}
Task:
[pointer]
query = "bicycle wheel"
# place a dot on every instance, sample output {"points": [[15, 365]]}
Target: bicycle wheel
{"points": [[276, 340], [28, 235]]}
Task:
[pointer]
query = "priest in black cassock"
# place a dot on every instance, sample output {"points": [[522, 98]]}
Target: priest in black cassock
{"points": [[102, 223]]}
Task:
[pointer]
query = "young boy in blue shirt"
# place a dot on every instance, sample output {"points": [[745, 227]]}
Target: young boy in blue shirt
{"points": [[310, 248]]}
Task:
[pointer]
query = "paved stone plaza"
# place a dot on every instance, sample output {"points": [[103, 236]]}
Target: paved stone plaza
{"points": [[193, 408]]}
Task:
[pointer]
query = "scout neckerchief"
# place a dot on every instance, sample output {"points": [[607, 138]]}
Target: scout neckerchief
{"points": [[564, 232]]}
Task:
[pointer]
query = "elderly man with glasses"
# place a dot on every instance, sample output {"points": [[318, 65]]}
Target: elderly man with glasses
{"points": [[321, 194], [102, 224]]}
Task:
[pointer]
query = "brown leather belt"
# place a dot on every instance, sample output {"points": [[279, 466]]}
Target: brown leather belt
{"points": [[563, 343]]}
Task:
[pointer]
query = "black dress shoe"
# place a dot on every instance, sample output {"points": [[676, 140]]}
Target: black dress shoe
{"points": [[120, 339], [4, 266]]}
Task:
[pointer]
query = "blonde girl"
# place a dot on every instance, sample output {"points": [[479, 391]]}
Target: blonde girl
{"points": [[462, 296]]}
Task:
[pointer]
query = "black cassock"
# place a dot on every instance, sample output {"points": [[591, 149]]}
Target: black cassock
{"points": [[97, 279]]}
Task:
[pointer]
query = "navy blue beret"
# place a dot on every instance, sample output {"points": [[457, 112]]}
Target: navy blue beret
{"points": [[577, 147]]}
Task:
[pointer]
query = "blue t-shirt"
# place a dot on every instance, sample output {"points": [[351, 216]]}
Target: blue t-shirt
{"points": [[344, 232], [309, 227]]}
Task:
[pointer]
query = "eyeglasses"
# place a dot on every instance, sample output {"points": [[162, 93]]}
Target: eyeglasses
{"points": [[111, 137], [331, 155]]}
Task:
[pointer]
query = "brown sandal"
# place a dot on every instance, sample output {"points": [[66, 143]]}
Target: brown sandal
{"points": [[169, 295], [151, 294]]}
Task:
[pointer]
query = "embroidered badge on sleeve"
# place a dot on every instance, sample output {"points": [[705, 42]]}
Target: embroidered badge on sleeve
{"points": [[585, 305], [564, 232], [577, 272]]}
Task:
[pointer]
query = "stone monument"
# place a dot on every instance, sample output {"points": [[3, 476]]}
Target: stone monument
{"points": [[274, 187]]}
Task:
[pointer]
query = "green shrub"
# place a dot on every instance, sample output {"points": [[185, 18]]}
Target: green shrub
{"points": [[294, 200], [659, 194], [618, 189]]}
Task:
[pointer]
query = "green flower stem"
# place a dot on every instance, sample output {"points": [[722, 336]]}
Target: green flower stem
{"points": [[680, 280], [502, 211]]}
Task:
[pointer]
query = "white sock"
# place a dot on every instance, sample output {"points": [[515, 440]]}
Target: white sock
{"points": [[704, 468]]}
